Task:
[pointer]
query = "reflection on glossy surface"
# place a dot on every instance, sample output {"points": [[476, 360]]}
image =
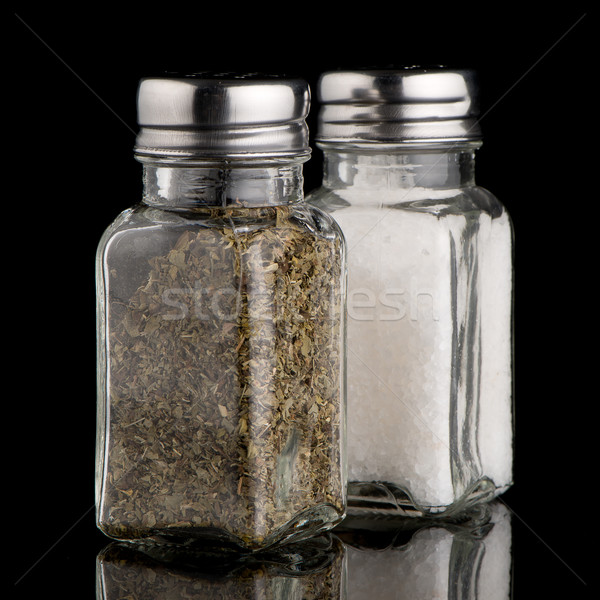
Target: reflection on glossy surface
{"points": [[311, 570], [465, 558], [430, 559]]}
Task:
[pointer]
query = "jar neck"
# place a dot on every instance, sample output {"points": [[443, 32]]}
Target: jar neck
{"points": [[398, 167], [183, 186]]}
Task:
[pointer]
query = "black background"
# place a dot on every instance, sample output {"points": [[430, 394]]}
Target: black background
{"points": [[71, 171]]}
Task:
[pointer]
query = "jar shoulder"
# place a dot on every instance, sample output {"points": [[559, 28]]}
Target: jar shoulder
{"points": [[143, 225], [437, 202]]}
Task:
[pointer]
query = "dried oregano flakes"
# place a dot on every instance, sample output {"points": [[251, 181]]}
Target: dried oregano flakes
{"points": [[224, 406]]}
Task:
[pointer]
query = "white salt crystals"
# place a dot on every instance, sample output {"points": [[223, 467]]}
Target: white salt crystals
{"points": [[398, 380], [429, 347], [416, 293], [429, 306], [496, 415]]}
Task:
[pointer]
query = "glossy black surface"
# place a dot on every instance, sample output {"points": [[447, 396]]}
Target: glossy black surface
{"points": [[72, 171]]}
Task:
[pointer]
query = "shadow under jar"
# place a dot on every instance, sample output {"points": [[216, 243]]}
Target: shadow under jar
{"points": [[430, 415], [221, 326]]}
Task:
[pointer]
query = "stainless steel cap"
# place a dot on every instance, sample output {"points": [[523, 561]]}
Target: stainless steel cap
{"points": [[411, 105], [222, 115]]}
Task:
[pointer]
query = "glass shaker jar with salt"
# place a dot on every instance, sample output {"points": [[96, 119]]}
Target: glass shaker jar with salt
{"points": [[430, 408]]}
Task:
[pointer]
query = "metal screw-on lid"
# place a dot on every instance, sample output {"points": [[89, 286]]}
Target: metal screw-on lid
{"points": [[222, 115], [411, 105]]}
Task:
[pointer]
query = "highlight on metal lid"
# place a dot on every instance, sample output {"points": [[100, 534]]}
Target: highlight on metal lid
{"points": [[222, 115], [407, 105]]}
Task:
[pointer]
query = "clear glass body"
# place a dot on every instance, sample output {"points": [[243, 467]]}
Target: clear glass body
{"points": [[221, 360], [430, 417]]}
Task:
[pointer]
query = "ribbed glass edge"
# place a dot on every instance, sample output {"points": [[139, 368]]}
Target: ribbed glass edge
{"points": [[381, 499]]}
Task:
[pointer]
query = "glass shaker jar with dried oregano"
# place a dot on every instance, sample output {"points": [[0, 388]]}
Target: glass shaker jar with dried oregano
{"points": [[221, 325]]}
